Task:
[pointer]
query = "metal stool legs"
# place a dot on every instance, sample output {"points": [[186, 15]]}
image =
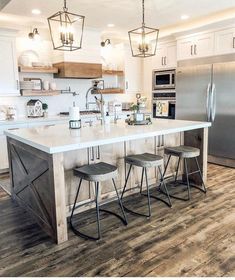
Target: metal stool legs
{"points": [[148, 194], [176, 182], [98, 210], [144, 173]]}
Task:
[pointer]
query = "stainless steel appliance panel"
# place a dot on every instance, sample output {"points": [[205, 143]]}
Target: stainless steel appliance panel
{"points": [[222, 132], [193, 86]]}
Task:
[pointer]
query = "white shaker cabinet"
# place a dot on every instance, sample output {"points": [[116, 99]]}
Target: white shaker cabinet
{"points": [[165, 56], [133, 72], [9, 79], [225, 41], [3, 152], [195, 46]]}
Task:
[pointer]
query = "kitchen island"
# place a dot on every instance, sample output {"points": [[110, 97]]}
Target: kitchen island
{"points": [[41, 162]]}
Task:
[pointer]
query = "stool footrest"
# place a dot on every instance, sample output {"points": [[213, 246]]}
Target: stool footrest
{"points": [[136, 213], [83, 235], [177, 183], [114, 214], [158, 198]]}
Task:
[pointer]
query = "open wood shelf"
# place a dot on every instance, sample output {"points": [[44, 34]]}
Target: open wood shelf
{"points": [[45, 70], [113, 72], [25, 92], [112, 91]]}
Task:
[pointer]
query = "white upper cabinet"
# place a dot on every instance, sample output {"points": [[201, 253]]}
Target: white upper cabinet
{"points": [[133, 72], [9, 78], [225, 41], [165, 56], [195, 46]]}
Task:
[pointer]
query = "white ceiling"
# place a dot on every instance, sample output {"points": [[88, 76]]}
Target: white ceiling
{"points": [[125, 14]]}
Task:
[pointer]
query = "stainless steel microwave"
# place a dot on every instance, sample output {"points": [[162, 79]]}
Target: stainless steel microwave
{"points": [[164, 79]]}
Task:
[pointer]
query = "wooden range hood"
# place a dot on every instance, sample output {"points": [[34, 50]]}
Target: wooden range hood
{"points": [[77, 70]]}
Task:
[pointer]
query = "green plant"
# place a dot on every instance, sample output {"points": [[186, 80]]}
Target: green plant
{"points": [[134, 107]]}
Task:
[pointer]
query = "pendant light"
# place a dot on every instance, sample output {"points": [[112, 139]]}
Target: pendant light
{"points": [[143, 40], [66, 30]]}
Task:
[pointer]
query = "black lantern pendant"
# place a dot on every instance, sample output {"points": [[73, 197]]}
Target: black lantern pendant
{"points": [[66, 30], [143, 40]]}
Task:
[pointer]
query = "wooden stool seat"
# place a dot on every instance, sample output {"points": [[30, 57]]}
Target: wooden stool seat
{"points": [[96, 172], [144, 160], [182, 151]]}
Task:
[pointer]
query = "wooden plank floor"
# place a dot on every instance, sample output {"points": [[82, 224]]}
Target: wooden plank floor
{"points": [[194, 238]]}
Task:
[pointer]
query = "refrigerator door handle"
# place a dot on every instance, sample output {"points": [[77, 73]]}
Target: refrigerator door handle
{"points": [[213, 103], [208, 103]]}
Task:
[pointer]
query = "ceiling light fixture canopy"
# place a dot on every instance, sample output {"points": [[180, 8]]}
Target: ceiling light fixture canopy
{"points": [[105, 43], [66, 30], [143, 40]]}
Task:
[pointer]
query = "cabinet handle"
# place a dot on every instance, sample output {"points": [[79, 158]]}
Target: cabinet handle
{"points": [[92, 154], [17, 84], [191, 49], [162, 61], [98, 153], [195, 49], [165, 60], [233, 42], [163, 141], [127, 85]]}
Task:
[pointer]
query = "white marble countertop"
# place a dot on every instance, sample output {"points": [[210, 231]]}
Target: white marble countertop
{"points": [[59, 138]]}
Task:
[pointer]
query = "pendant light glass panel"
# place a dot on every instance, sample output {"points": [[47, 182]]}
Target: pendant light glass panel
{"points": [[66, 30], [143, 41]]}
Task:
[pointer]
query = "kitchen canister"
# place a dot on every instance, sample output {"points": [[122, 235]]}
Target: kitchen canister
{"points": [[74, 117]]}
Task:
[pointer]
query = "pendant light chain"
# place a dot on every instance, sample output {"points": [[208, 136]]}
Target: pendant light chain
{"points": [[65, 6], [143, 12]]}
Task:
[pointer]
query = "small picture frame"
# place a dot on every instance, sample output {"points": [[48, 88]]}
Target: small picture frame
{"points": [[37, 83]]}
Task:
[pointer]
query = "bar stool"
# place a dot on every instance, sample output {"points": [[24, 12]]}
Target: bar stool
{"points": [[145, 161], [96, 173], [184, 153]]}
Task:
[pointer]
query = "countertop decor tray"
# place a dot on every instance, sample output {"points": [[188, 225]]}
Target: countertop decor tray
{"points": [[147, 122]]}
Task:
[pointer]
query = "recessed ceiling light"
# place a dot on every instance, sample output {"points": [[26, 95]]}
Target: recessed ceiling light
{"points": [[36, 12], [110, 25], [184, 17]]}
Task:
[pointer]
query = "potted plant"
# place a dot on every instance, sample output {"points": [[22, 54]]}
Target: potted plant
{"points": [[45, 110]]}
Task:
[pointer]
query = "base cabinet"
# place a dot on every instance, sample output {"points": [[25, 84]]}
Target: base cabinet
{"points": [[3, 153]]}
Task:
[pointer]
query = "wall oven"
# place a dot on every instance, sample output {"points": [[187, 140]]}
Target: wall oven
{"points": [[163, 79], [164, 104]]}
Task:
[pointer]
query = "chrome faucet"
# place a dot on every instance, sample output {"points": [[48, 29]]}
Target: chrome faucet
{"points": [[95, 89]]}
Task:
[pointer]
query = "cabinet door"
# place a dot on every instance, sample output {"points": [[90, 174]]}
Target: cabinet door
{"points": [[148, 73], [171, 53], [140, 146], [170, 140], [71, 160], [3, 153], [158, 59], [9, 81], [133, 74], [185, 48], [113, 154], [204, 45], [225, 41]]}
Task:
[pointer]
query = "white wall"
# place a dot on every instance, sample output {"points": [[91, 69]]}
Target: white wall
{"points": [[90, 53]]}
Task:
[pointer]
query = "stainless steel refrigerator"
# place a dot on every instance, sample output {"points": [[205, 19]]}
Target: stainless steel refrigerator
{"points": [[207, 93]]}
